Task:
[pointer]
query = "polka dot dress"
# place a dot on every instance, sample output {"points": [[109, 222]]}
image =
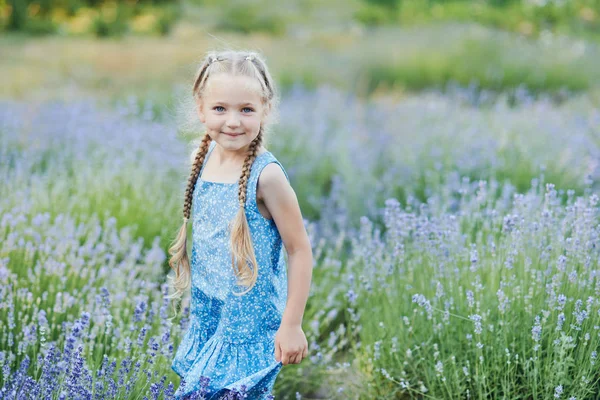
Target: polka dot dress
{"points": [[229, 346]]}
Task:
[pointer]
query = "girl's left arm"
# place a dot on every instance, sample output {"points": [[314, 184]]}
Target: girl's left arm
{"points": [[280, 199]]}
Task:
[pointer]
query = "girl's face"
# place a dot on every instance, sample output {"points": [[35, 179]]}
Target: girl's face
{"points": [[232, 111]]}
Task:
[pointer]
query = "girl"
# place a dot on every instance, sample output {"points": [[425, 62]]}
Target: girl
{"points": [[243, 212]]}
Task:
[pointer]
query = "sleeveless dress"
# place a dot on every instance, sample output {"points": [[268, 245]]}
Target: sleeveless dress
{"points": [[230, 338]]}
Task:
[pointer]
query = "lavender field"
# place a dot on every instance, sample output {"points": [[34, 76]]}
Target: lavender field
{"points": [[456, 240]]}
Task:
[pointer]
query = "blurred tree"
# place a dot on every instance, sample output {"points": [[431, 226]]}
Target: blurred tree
{"points": [[528, 17], [35, 16], [18, 16], [502, 3], [45, 7], [390, 4], [251, 16]]}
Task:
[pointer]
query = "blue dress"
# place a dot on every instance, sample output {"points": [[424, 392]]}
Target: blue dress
{"points": [[231, 339]]}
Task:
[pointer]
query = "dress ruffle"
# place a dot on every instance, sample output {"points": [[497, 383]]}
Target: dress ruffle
{"points": [[226, 363], [191, 344]]}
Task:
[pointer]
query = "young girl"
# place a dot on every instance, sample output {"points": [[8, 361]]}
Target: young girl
{"points": [[245, 314]]}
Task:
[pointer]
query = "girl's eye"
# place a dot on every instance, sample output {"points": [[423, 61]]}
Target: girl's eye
{"points": [[217, 108]]}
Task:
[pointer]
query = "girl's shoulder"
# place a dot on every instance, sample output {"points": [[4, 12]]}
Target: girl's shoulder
{"points": [[264, 157], [267, 163]]}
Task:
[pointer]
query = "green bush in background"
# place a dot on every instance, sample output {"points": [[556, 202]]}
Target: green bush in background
{"points": [[529, 17], [98, 17], [110, 25], [247, 16]]}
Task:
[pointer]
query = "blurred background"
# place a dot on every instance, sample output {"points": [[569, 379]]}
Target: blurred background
{"points": [[445, 154], [365, 46]]}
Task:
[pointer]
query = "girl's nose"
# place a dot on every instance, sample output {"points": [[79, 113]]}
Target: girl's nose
{"points": [[233, 121]]}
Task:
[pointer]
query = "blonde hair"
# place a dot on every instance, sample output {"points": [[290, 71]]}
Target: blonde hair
{"points": [[242, 251]]}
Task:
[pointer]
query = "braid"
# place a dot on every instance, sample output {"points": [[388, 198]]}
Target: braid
{"points": [[193, 178], [179, 261], [242, 251], [243, 182]]}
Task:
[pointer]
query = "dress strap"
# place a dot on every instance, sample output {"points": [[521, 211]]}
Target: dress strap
{"points": [[211, 146], [257, 166]]}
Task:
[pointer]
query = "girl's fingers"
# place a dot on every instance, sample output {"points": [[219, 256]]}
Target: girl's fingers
{"points": [[277, 352], [291, 358]]}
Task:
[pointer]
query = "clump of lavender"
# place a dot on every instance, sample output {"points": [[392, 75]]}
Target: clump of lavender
{"points": [[456, 289], [69, 271]]}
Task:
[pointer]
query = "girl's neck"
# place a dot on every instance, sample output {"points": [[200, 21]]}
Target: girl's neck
{"points": [[224, 157]]}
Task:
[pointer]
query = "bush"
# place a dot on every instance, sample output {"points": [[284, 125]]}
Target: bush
{"points": [[164, 25], [111, 21], [388, 4], [107, 18], [574, 17], [103, 27], [373, 15], [154, 21], [167, 19], [39, 27], [251, 18]]}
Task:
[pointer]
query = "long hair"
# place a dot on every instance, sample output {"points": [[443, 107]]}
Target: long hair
{"points": [[243, 259]]}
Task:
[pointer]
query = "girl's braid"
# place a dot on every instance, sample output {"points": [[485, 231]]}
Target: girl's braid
{"points": [[243, 182], [196, 166]]}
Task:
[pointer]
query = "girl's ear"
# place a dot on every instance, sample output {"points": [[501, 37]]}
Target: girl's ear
{"points": [[200, 111]]}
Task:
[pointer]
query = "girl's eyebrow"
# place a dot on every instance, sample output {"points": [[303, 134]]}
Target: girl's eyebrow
{"points": [[239, 105]]}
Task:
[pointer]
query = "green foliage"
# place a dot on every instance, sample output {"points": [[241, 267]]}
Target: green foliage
{"points": [[371, 15], [154, 20], [39, 27], [18, 16], [166, 20], [40, 17], [18, 19], [570, 17], [502, 3], [251, 17], [476, 62], [389, 4], [105, 26]]}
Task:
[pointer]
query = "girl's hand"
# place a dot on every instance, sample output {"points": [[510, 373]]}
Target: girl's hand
{"points": [[291, 345]]}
